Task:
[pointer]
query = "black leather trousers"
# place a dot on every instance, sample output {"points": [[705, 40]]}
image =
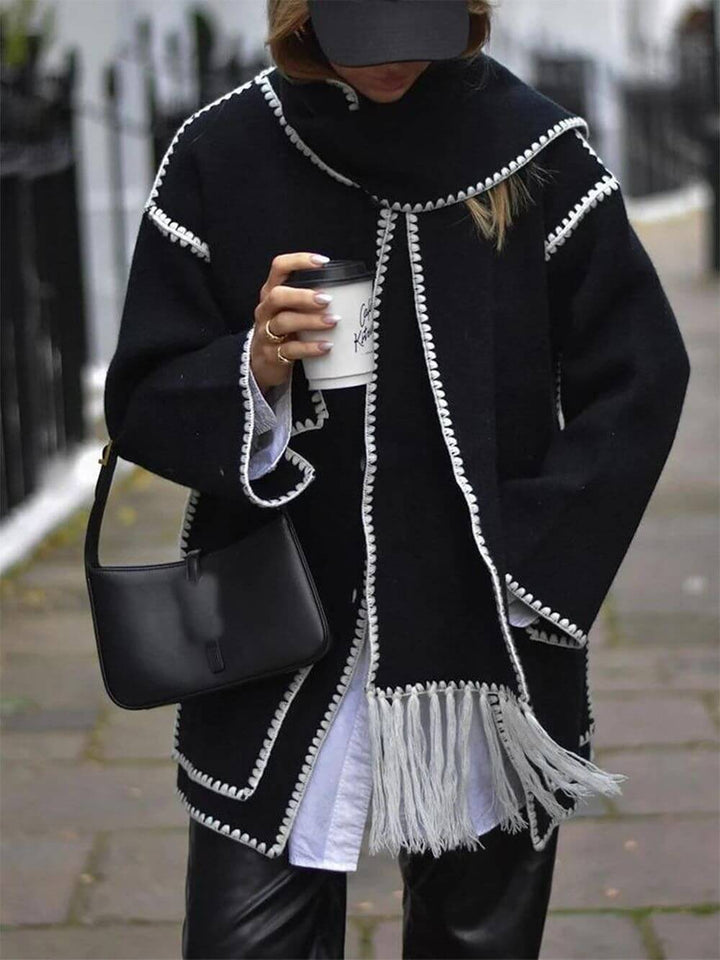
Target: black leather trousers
{"points": [[489, 902]]}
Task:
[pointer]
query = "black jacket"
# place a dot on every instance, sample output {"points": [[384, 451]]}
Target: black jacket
{"points": [[569, 366]]}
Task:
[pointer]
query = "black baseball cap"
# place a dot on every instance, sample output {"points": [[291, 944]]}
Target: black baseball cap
{"points": [[357, 33]]}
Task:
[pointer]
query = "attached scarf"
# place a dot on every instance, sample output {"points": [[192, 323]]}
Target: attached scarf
{"points": [[430, 498]]}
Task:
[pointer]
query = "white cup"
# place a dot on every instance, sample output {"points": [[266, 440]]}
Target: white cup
{"points": [[351, 360]]}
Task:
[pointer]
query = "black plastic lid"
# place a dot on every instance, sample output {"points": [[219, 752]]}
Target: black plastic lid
{"points": [[336, 271]]}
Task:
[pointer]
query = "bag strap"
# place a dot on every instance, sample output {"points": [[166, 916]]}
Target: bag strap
{"points": [[102, 488]]}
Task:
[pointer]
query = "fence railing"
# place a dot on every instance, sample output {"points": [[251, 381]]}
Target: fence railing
{"points": [[43, 328], [43, 344]]}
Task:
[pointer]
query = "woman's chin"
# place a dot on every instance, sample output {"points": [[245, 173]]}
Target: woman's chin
{"points": [[386, 96]]}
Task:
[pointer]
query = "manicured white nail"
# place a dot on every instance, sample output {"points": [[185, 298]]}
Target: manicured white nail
{"points": [[325, 345], [319, 258], [323, 297], [331, 317]]}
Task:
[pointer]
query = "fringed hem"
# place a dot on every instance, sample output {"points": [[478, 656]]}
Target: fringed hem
{"points": [[421, 765]]}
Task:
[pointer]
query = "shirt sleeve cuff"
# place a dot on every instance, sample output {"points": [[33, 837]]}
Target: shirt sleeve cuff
{"points": [[520, 614], [273, 421], [265, 418]]}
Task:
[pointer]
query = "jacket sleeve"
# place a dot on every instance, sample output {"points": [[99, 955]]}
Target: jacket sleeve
{"points": [[621, 376], [177, 394]]}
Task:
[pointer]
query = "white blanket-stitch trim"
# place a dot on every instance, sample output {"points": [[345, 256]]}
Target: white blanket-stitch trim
{"points": [[275, 105], [307, 767], [160, 176], [586, 737], [556, 639], [570, 628], [386, 228], [569, 123], [298, 461], [321, 415], [443, 412], [419, 800], [169, 227], [583, 139], [502, 174], [231, 790], [177, 233], [351, 94], [187, 519], [557, 237], [537, 841]]}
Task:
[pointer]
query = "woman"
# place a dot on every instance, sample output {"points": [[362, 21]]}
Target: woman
{"points": [[465, 514]]}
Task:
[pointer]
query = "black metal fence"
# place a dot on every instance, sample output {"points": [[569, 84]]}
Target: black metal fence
{"points": [[43, 328], [568, 79], [43, 344]]}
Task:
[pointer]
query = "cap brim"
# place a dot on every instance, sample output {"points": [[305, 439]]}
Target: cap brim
{"points": [[354, 33]]}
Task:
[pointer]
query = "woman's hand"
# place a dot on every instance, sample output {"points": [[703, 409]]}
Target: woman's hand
{"points": [[288, 309]]}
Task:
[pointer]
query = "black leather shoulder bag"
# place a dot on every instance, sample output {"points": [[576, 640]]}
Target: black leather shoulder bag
{"points": [[166, 632]]}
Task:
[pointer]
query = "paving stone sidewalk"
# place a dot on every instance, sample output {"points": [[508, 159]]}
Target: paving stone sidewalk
{"points": [[94, 841]]}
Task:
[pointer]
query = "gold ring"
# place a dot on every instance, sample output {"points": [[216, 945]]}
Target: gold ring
{"points": [[272, 336], [281, 357]]}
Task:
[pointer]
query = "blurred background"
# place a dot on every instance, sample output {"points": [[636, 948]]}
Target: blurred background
{"points": [[93, 840]]}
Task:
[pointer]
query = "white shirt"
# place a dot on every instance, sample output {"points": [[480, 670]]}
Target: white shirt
{"points": [[330, 819]]}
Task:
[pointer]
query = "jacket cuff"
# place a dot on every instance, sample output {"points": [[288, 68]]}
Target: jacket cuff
{"points": [[291, 474]]}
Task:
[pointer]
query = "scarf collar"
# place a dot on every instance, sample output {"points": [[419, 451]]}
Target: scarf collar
{"points": [[443, 660], [462, 127]]}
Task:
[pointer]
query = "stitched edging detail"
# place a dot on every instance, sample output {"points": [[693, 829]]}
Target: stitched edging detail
{"points": [[162, 220], [443, 412], [230, 790], [187, 519], [321, 415], [386, 227], [583, 139], [160, 176], [503, 173], [298, 461], [350, 92], [177, 233], [275, 105], [570, 628], [224, 828], [586, 737], [307, 766], [557, 237], [556, 639], [537, 841], [568, 123]]}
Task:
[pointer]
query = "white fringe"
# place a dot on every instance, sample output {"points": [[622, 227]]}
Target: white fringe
{"points": [[420, 784]]}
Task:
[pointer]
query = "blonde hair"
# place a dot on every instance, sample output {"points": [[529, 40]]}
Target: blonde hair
{"points": [[298, 55]]}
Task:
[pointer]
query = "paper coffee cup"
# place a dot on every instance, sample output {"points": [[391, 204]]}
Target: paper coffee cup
{"points": [[351, 361]]}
